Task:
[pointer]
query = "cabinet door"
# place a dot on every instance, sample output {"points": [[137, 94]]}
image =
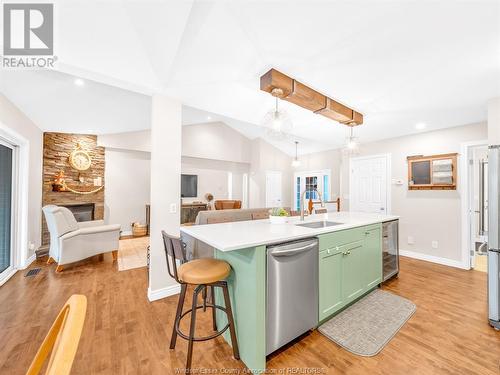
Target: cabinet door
{"points": [[330, 278], [353, 280], [372, 264]]}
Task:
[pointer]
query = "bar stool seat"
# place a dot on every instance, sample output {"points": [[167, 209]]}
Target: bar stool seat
{"points": [[203, 271]]}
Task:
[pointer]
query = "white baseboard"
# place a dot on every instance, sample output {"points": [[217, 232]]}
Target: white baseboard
{"points": [[168, 291], [13, 271], [433, 259], [9, 274], [28, 262]]}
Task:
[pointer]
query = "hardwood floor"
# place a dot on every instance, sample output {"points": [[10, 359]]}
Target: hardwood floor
{"points": [[126, 334]]}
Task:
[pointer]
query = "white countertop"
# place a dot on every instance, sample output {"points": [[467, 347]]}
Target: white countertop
{"points": [[244, 234]]}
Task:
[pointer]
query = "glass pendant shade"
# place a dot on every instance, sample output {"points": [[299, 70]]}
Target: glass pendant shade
{"points": [[351, 144], [277, 123]]}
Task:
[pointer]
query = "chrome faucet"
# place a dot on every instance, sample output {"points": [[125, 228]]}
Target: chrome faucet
{"points": [[302, 201]]}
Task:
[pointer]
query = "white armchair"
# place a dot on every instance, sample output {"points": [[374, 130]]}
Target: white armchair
{"points": [[71, 241]]}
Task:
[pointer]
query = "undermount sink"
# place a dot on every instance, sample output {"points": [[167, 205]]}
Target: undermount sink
{"points": [[319, 224]]}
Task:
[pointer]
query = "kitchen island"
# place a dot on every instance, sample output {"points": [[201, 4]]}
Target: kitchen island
{"points": [[350, 265]]}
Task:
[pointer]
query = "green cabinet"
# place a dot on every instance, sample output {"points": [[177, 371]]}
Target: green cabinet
{"points": [[350, 264], [330, 291], [352, 280], [372, 250]]}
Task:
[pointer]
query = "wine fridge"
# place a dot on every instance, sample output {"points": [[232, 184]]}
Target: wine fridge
{"points": [[390, 249]]}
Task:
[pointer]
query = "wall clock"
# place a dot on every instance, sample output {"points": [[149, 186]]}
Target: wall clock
{"points": [[80, 159]]}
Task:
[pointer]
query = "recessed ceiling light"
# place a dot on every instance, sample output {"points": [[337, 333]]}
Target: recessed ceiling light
{"points": [[209, 118], [420, 126], [79, 82]]}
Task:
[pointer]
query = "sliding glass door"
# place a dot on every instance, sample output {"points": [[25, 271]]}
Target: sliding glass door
{"points": [[6, 179]]}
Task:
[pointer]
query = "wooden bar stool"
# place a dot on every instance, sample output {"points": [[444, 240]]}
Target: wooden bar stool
{"points": [[203, 273]]}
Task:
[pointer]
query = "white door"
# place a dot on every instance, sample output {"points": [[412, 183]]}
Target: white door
{"points": [[273, 189], [369, 184]]}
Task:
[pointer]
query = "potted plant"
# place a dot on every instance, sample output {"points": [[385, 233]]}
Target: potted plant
{"points": [[278, 215]]}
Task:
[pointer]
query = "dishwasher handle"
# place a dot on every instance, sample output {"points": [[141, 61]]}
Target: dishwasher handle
{"points": [[297, 250]]}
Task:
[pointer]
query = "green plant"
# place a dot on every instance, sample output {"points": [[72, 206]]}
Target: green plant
{"points": [[278, 211]]}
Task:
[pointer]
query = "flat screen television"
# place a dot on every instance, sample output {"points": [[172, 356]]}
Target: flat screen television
{"points": [[189, 186]]}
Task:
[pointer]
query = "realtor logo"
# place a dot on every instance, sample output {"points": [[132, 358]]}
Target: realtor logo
{"points": [[28, 30]]}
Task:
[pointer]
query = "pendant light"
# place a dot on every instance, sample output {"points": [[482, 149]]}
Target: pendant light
{"points": [[277, 122], [296, 161], [352, 143]]}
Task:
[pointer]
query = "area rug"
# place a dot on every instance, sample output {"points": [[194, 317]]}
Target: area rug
{"points": [[367, 326], [133, 253]]}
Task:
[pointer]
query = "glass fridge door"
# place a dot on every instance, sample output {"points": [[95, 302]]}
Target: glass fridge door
{"points": [[390, 249]]}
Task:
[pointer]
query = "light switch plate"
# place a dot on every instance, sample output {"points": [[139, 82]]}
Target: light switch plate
{"points": [[173, 208], [411, 240], [435, 244]]}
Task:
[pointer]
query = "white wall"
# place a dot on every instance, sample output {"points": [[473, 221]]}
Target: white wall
{"points": [[265, 157], [137, 141], [213, 177], [12, 120], [218, 148], [426, 215], [215, 141], [128, 181]]}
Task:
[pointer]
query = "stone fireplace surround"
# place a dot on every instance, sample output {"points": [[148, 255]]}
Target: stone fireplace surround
{"points": [[56, 150]]}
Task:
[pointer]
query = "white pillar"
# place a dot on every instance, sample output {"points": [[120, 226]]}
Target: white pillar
{"points": [[494, 121], [166, 137]]}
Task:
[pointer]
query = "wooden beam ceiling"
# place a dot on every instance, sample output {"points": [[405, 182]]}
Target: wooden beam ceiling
{"points": [[295, 92]]}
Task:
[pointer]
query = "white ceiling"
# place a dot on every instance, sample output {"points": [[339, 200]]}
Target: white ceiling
{"points": [[399, 63]]}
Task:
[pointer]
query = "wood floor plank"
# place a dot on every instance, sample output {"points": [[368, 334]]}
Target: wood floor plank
{"points": [[124, 333]]}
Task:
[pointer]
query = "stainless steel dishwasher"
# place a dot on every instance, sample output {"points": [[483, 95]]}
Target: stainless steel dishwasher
{"points": [[292, 291]]}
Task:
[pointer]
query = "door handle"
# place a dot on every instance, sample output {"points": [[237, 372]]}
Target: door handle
{"points": [[349, 252]]}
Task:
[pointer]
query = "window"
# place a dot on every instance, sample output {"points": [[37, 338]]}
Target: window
{"points": [[308, 181]]}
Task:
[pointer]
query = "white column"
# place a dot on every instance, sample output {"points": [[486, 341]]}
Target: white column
{"points": [[494, 121], [166, 137]]}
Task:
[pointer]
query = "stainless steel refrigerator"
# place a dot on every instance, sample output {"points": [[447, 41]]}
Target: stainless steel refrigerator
{"points": [[494, 236]]}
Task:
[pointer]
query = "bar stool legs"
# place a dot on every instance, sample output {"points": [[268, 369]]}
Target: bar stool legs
{"points": [[229, 313], [178, 313], [194, 307], [193, 325], [214, 319]]}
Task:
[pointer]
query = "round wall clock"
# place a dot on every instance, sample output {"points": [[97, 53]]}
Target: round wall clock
{"points": [[80, 159]]}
